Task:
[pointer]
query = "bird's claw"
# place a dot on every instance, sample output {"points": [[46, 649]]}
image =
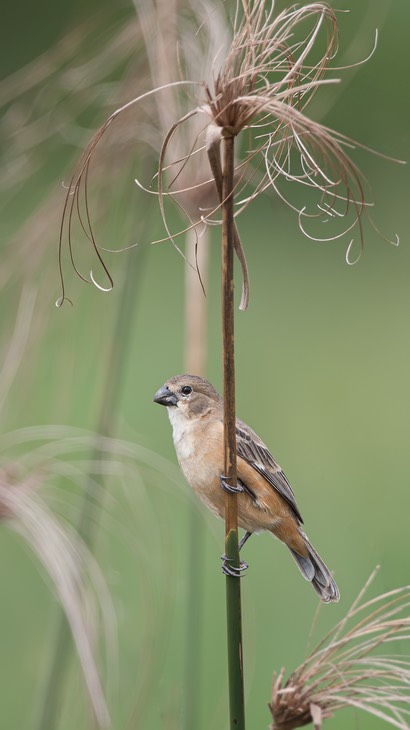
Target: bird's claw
{"points": [[229, 488], [233, 570]]}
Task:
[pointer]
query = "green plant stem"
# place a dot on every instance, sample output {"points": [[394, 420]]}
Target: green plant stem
{"points": [[233, 587], [95, 489]]}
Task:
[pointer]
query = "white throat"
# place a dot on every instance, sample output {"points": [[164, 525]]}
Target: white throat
{"points": [[181, 427]]}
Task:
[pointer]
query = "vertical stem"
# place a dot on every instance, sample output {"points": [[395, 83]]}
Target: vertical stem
{"points": [[195, 361], [196, 304], [233, 587]]}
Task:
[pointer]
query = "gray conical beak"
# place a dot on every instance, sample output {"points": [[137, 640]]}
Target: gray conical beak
{"points": [[165, 397]]}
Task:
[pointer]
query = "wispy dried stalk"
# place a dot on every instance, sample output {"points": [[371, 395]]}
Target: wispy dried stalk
{"points": [[75, 576], [352, 667]]}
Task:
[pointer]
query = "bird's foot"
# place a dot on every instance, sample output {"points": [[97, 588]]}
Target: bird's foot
{"points": [[229, 488], [233, 570]]}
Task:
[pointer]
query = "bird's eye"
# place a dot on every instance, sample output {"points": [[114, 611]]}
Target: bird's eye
{"points": [[186, 390]]}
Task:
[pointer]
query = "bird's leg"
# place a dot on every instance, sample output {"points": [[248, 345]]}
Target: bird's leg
{"points": [[230, 569], [229, 488], [234, 572], [243, 540]]}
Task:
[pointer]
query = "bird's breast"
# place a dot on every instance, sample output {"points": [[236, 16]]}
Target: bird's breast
{"points": [[182, 432], [200, 455]]}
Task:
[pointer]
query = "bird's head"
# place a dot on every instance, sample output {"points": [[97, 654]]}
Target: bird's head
{"points": [[191, 395]]}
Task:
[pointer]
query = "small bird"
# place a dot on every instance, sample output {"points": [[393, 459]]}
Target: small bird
{"points": [[265, 498]]}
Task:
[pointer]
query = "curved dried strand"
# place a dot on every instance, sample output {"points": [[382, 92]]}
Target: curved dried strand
{"points": [[321, 66], [260, 57], [356, 608], [179, 233], [395, 242], [327, 672], [362, 61], [87, 229], [336, 646], [367, 707], [167, 139], [332, 154], [183, 161], [80, 175]]}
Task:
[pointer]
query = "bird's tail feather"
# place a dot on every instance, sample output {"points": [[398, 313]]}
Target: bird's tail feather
{"points": [[315, 571]]}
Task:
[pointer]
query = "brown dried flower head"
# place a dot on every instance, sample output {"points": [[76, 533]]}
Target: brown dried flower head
{"points": [[259, 87]]}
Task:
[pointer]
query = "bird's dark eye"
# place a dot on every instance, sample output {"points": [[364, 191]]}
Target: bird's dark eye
{"points": [[186, 390]]}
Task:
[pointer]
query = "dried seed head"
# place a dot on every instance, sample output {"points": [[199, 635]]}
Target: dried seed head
{"points": [[268, 61], [274, 67], [351, 667], [260, 86]]}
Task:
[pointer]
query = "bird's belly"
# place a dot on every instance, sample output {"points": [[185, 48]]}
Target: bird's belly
{"points": [[204, 478], [203, 474]]}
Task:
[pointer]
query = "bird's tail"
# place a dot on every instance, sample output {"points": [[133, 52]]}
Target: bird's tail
{"points": [[315, 571]]}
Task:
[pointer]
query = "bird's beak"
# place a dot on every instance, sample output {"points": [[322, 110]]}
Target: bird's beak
{"points": [[165, 397]]}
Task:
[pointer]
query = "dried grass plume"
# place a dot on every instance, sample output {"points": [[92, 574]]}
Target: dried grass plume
{"points": [[353, 666]]}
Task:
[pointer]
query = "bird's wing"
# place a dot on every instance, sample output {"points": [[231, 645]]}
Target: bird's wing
{"points": [[250, 448]]}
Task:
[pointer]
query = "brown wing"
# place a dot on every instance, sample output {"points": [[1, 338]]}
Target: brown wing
{"points": [[250, 448]]}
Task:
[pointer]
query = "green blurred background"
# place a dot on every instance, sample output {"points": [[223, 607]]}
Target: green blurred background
{"points": [[323, 361]]}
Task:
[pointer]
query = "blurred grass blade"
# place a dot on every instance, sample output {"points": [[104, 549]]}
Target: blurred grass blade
{"points": [[196, 308], [93, 497]]}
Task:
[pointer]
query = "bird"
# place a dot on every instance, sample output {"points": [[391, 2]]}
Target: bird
{"points": [[265, 499]]}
